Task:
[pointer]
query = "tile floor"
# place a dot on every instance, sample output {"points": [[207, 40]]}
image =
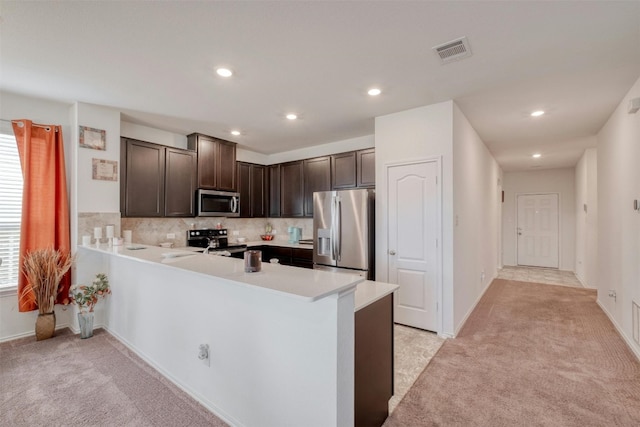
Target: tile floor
{"points": [[414, 348], [550, 276]]}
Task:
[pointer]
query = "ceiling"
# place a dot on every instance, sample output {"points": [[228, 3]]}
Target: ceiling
{"points": [[155, 62]]}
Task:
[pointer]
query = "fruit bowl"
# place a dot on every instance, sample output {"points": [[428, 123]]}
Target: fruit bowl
{"points": [[266, 236]]}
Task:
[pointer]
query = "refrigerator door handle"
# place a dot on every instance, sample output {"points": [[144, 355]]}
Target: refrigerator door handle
{"points": [[333, 229], [339, 228]]}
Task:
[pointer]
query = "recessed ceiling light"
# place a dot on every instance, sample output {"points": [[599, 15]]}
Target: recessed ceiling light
{"points": [[235, 132], [291, 116], [537, 156], [374, 91], [537, 113], [224, 72]]}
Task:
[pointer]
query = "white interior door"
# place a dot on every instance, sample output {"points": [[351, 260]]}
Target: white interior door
{"points": [[537, 230], [413, 206]]}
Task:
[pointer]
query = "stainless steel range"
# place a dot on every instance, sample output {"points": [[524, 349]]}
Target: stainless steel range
{"points": [[216, 240]]}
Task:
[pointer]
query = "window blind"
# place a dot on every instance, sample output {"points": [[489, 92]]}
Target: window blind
{"points": [[10, 210]]}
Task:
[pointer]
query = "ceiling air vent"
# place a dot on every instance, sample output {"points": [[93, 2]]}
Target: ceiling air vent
{"points": [[453, 50]]}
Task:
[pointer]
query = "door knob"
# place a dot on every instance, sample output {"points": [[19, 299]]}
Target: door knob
{"points": [[392, 252], [519, 233]]}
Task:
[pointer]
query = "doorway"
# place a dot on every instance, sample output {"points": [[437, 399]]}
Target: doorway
{"points": [[538, 230], [413, 248]]}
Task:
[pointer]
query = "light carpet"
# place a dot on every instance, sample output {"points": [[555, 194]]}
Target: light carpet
{"points": [[529, 354], [66, 381]]}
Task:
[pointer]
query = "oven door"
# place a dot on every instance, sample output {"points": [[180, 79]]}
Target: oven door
{"points": [[218, 203]]}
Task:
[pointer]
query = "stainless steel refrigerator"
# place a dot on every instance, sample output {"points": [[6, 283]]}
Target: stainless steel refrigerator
{"points": [[343, 231]]}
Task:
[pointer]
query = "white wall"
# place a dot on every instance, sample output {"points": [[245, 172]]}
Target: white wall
{"points": [[476, 208], [561, 181], [157, 136], [470, 192], [420, 133], [587, 218], [96, 195], [618, 223]]}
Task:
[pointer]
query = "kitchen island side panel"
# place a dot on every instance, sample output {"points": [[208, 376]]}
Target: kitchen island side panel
{"points": [[274, 360]]}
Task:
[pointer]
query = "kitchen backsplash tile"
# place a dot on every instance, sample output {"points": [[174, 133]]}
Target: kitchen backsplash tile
{"points": [[87, 221], [153, 231]]}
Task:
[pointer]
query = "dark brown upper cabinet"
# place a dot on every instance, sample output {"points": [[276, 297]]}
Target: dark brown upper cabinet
{"points": [[343, 167], [317, 177], [274, 191], [142, 178], [252, 188], [366, 167], [180, 182], [291, 189], [216, 162], [259, 193], [156, 180]]}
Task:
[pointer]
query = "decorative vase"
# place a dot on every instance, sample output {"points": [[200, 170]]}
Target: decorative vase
{"points": [[85, 320], [45, 326]]}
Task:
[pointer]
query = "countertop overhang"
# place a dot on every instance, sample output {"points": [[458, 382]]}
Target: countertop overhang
{"points": [[304, 284]]}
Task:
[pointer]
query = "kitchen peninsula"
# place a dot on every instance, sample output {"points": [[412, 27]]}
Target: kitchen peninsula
{"points": [[281, 341]]}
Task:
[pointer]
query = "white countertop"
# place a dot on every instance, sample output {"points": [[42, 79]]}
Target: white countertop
{"points": [[306, 284], [368, 292]]}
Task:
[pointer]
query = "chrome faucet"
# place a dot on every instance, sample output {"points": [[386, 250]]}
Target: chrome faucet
{"points": [[213, 244]]}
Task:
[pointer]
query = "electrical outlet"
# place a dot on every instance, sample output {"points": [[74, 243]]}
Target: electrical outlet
{"points": [[171, 235], [612, 294], [236, 232], [203, 354]]}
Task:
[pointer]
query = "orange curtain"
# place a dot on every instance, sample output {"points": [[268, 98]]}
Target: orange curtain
{"points": [[45, 206]]}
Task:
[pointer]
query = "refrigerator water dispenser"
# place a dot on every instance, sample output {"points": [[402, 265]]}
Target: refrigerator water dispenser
{"points": [[324, 241]]}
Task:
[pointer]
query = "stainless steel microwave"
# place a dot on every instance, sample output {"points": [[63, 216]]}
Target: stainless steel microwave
{"points": [[218, 203]]}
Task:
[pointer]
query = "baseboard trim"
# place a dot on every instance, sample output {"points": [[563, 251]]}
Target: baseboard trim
{"points": [[194, 394], [630, 343], [30, 333], [473, 307]]}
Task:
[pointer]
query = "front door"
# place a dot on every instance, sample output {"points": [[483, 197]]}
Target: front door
{"points": [[413, 207], [537, 232]]}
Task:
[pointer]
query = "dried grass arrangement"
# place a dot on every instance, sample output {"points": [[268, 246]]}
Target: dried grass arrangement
{"points": [[44, 269]]}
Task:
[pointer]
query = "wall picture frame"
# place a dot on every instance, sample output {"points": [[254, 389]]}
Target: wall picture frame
{"points": [[93, 138], [104, 170]]}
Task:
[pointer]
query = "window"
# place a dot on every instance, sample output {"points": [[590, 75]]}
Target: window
{"points": [[10, 209]]}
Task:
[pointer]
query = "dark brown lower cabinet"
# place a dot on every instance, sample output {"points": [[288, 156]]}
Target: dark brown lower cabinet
{"points": [[373, 362], [297, 257]]}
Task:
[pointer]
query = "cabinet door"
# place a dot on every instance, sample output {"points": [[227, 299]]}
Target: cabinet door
{"points": [[343, 170], [258, 179], [291, 189], [317, 177], [226, 166], [367, 168], [144, 186], [207, 149], [180, 182], [274, 191], [244, 188]]}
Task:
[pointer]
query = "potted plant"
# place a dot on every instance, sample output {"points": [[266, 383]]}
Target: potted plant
{"points": [[86, 297], [44, 269]]}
